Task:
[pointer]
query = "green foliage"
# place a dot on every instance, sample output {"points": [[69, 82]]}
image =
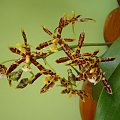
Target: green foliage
{"points": [[108, 67], [108, 105]]}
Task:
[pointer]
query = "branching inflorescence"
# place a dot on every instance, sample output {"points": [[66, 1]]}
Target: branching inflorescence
{"points": [[87, 63]]}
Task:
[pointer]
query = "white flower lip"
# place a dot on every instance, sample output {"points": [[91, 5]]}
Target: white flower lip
{"points": [[92, 80], [2, 76], [26, 69]]}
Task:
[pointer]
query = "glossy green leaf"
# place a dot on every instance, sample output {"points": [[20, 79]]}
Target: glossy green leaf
{"points": [[108, 67], [108, 107], [113, 51]]}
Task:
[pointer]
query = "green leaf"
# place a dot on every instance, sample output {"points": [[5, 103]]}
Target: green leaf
{"points": [[113, 51], [108, 106], [108, 67]]}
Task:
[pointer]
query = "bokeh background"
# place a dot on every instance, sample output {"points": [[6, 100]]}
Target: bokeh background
{"points": [[30, 15]]}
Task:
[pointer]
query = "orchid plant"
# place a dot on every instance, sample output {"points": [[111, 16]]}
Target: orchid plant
{"points": [[86, 65]]}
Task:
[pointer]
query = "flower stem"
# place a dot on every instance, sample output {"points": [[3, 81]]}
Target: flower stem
{"points": [[85, 45], [46, 63], [7, 61], [73, 46], [92, 44]]}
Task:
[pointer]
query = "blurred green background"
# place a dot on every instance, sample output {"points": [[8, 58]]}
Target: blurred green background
{"points": [[30, 15]]}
